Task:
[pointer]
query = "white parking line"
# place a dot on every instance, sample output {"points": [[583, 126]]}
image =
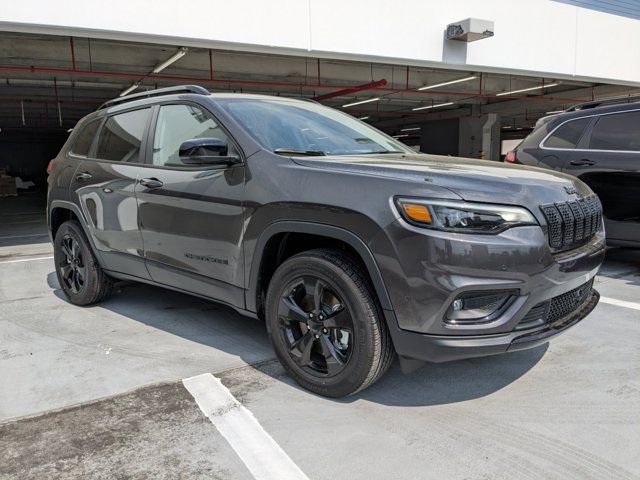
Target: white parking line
{"points": [[21, 223], [25, 236], [27, 259], [620, 303], [260, 453], [21, 213]]}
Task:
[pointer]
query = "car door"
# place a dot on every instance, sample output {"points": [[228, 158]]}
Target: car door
{"points": [[608, 160], [191, 217], [104, 188]]}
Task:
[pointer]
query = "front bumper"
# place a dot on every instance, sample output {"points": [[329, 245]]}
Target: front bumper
{"points": [[425, 271], [440, 348]]}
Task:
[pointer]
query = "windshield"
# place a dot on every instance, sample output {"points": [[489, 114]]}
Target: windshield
{"points": [[300, 128]]}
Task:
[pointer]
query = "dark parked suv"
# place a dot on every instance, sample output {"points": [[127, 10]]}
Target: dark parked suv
{"points": [[350, 246], [598, 142]]}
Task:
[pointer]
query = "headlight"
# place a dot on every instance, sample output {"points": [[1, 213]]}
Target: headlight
{"points": [[463, 217]]}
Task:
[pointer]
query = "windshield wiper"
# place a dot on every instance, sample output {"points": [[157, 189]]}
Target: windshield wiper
{"points": [[305, 153], [389, 151]]}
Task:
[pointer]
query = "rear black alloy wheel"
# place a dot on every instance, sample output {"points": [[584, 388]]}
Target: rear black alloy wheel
{"points": [[316, 326], [79, 274], [325, 323], [72, 267]]}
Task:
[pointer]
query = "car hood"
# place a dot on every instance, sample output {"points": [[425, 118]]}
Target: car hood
{"points": [[471, 179]]}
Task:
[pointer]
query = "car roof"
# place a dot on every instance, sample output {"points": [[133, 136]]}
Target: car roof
{"points": [[149, 98], [589, 112], [152, 100]]}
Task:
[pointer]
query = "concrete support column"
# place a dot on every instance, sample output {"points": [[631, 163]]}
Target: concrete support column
{"points": [[479, 137], [491, 137]]}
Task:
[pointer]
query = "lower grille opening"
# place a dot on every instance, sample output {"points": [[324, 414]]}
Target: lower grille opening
{"points": [[558, 307]]}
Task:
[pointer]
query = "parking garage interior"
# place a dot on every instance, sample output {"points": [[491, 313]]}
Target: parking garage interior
{"points": [[49, 82]]}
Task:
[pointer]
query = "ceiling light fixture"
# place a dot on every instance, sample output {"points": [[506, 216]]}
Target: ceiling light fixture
{"points": [[369, 100], [451, 82], [433, 106], [178, 55], [526, 89], [366, 117], [409, 129], [130, 89], [401, 136]]}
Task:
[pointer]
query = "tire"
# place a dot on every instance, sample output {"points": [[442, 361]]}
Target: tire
{"points": [[80, 276], [351, 346]]}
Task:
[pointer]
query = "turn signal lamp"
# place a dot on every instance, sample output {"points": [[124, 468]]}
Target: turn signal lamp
{"points": [[417, 213]]}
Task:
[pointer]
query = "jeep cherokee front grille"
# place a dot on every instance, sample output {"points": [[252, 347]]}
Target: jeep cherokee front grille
{"points": [[572, 223]]}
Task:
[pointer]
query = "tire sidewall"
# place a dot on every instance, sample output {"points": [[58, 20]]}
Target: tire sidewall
{"points": [[359, 365]]}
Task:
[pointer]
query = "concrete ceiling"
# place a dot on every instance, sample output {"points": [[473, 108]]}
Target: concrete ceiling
{"points": [[52, 81]]}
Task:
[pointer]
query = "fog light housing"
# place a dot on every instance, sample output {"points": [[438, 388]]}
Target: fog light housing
{"points": [[478, 307]]}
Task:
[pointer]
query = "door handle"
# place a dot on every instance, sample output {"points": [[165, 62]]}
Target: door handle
{"points": [[585, 162], [151, 182], [83, 177]]}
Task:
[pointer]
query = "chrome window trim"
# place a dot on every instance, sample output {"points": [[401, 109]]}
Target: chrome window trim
{"points": [[542, 147]]}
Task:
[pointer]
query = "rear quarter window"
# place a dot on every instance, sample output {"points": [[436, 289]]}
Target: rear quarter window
{"points": [[568, 134], [83, 141]]}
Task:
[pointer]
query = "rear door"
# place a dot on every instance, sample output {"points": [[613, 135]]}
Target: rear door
{"points": [[608, 161], [104, 187], [191, 217]]}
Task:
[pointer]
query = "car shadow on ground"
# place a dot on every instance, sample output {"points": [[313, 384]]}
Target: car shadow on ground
{"points": [[452, 382], [220, 327]]}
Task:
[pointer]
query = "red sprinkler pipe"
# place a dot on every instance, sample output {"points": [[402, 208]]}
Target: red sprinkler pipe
{"points": [[347, 91], [205, 81]]}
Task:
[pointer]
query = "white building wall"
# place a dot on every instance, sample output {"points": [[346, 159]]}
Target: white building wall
{"points": [[533, 37]]}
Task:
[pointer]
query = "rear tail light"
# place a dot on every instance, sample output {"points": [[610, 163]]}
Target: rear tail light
{"points": [[510, 157], [50, 166]]}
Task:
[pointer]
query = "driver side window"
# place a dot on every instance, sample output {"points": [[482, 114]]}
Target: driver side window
{"points": [[176, 124]]}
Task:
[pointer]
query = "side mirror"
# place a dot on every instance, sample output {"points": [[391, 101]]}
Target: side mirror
{"points": [[206, 151]]}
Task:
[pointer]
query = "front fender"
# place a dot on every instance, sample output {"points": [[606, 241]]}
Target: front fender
{"points": [[353, 240]]}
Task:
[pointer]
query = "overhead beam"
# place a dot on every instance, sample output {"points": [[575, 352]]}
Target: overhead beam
{"points": [[350, 90]]}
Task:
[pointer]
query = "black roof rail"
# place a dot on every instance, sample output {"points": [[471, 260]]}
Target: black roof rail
{"points": [[603, 103], [156, 93]]}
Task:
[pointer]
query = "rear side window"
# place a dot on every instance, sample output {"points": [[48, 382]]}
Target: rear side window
{"points": [[567, 135], [121, 136], [84, 139], [620, 131]]}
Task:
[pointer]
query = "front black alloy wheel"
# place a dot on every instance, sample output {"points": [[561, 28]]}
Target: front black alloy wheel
{"points": [[325, 323], [316, 325]]}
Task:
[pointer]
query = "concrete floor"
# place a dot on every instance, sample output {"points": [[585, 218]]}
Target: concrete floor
{"points": [[96, 392]]}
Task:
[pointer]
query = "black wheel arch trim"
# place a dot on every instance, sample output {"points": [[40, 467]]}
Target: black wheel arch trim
{"points": [[77, 212], [315, 229]]}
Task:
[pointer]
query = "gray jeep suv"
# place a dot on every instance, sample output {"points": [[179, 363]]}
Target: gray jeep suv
{"points": [[349, 245]]}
